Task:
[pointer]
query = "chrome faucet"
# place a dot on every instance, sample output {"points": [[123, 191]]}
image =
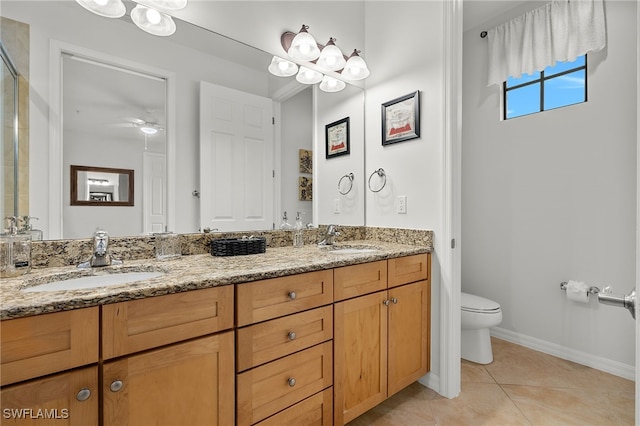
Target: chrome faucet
{"points": [[101, 255], [329, 236]]}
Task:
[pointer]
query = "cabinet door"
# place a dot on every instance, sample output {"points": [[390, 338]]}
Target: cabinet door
{"points": [[62, 399], [409, 330], [45, 344], [188, 383], [409, 269], [358, 280], [137, 325], [360, 338]]}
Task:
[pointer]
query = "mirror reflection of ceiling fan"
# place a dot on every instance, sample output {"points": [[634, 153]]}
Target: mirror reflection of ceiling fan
{"points": [[147, 125]]}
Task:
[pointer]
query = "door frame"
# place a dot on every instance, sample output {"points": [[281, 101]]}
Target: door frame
{"points": [[56, 173], [450, 261], [637, 396]]}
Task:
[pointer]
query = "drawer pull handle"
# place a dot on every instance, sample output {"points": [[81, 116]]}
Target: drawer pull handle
{"points": [[292, 335], [83, 394], [394, 300], [116, 385], [292, 295], [291, 381], [385, 302]]}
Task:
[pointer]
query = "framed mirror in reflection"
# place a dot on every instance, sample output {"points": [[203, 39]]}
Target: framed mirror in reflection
{"points": [[101, 186]]}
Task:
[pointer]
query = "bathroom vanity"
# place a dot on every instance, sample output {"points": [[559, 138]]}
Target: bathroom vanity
{"points": [[291, 336]]}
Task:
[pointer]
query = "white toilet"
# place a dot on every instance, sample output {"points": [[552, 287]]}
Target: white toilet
{"points": [[478, 315]]}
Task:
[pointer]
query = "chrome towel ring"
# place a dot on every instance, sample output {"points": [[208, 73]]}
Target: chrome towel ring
{"points": [[350, 178], [381, 173]]}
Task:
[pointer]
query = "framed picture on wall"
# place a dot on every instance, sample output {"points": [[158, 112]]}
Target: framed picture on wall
{"points": [[337, 138], [306, 160], [401, 119]]}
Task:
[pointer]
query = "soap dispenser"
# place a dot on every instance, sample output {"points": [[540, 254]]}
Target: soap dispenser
{"points": [[27, 228], [15, 251], [298, 233], [285, 225]]}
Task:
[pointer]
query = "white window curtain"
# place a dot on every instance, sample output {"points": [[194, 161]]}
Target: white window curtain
{"points": [[559, 31]]}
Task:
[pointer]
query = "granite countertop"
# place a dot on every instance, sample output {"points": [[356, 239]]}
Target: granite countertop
{"points": [[182, 274]]}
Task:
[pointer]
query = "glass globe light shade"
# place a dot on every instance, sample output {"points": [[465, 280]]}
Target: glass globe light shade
{"points": [[153, 21], [330, 84], [282, 68], [303, 46], [148, 130], [331, 58], [106, 8], [165, 4], [355, 68], [308, 76]]}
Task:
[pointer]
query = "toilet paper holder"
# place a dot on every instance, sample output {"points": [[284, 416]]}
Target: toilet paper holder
{"points": [[607, 297]]}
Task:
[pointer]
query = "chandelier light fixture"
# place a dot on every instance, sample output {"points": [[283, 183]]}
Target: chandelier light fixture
{"points": [[106, 8], [306, 56], [149, 15]]}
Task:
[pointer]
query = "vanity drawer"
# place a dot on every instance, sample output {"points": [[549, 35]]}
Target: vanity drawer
{"points": [[272, 387], [137, 325], [316, 410], [264, 342], [266, 299], [356, 280], [408, 269], [44, 344]]}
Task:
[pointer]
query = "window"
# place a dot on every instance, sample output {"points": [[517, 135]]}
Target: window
{"points": [[563, 84]]}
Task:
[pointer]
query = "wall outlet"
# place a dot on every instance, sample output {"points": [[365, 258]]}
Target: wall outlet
{"points": [[336, 206], [402, 204]]}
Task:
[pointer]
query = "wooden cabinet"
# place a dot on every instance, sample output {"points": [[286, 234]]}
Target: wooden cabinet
{"points": [[44, 344], [176, 380], [317, 410], [137, 325], [381, 339], [284, 349], [190, 383], [69, 398]]}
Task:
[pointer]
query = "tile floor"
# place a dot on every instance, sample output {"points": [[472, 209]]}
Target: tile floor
{"points": [[520, 387]]}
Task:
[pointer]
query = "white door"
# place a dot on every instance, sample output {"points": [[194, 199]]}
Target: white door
{"points": [[154, 188], [236, 160]]}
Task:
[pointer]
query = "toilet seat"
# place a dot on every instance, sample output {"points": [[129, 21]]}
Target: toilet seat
{"points": [[477, 304]]}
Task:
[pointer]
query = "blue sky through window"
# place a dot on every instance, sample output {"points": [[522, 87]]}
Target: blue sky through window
{"points": [[560, 85]]}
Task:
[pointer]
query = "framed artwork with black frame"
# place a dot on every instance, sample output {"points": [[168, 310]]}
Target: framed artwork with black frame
{"points": [[337, 138], [401, 119]]}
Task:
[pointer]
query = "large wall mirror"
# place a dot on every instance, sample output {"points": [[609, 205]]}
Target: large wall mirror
{"points": [[9, 154], [102, 58]]}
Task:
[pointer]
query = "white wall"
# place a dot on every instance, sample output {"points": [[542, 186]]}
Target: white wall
{"points": [[404, 43], [297, 134], [552, 197], [332, 107]]}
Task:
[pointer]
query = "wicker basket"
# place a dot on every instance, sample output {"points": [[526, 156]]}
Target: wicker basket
{"points": [[238, 246]]}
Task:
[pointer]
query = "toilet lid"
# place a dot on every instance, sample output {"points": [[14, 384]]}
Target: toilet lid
{"points": [[473, 303]]}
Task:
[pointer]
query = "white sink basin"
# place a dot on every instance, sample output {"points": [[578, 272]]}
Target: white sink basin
{"points": [[93, 281]]}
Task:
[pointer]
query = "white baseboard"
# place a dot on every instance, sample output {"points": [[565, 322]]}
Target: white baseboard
{"points": [[430, 380], [599, 363]]}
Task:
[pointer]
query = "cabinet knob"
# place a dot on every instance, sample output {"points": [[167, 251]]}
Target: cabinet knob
{"points": [[291, 381], [116, 385], [292, 335], [292, 295], [385, 302], [394, 300], [83, 394]]}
